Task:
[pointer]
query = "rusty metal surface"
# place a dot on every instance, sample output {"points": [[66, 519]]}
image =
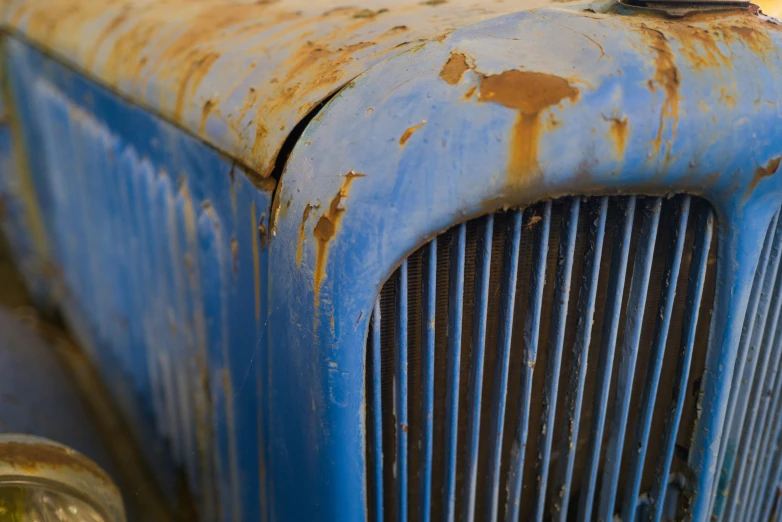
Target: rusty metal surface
{"points": [[591, 99], [239, 74]]}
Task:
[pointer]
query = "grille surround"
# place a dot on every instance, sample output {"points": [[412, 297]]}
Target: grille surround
{"points": [[748, 485], [473, 485]]}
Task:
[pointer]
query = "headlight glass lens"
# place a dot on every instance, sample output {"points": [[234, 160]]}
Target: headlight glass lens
{"points": [[32, 503]]}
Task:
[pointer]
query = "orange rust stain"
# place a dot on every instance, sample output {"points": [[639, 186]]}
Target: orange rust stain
{"points": [[533, 221], [618, 131], [409, 132], [470, 92], [529, 93], [754, 37], [235, 255], [30, 457], [727, 99], [107, 31], [454, 68], [326, 229], [263, 234], [441, 38], [764, 171], [196, 72], [207, 108], [357, 46], [369, 13], [256, 263], [302, 232], [665, 79]]}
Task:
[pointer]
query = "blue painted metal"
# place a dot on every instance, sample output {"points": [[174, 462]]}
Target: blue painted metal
{"points": [[427, 211], [511, 456], [586, 311], [400, 386], [760, 351], [656, 359], [529, 358], [149, 261], [500, 393], [377, 409], [455, 311], [477, 352], [565, 261], [696, 281], [620, 256], [770, 397], [430, 304], [297, 345], [636, 305], [728, 443]]}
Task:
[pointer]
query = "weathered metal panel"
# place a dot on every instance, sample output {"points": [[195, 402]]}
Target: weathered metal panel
{"points": [[159, 243], [593, 99], [238, 73]]}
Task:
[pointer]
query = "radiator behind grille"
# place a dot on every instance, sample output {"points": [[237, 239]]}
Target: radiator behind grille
{"points": [[540, 364]]}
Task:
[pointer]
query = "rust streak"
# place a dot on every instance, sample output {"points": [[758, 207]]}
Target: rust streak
{"points": [[454, 68], [207, 108], [409, 132], [618, 134], [326, 229], [529, 93], [195, 73], [762, 172], [666, 79], [235, 255], [302, 232], [110, 28]]}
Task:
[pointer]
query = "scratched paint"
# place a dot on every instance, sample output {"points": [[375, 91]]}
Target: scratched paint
{"points": [[239, 74], [631, 106], [173, 324]]}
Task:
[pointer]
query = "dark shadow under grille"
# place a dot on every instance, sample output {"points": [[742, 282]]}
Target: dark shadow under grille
{"points": [[536, 364]]}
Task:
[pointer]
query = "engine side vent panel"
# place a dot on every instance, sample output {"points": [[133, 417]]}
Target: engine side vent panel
{"points": [[542, 364]]}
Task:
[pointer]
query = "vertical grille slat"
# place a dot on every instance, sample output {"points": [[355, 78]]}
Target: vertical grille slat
{"points": [[565, 261], [529, 354], [400, 405], [455, 312], [490, 299], [620, 257], [377, 433], [430, 308], [628, 356], [656, 358], [695, 290], [480, 311], [499, 397]]}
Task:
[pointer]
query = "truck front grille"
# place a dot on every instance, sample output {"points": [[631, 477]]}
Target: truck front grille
{"points": [[542, 364]]}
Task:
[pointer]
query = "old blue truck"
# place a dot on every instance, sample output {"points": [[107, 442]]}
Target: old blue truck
{"points": [[414, 260]]}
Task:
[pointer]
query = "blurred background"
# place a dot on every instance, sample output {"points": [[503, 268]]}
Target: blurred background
{"points": [[48, 389]]}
